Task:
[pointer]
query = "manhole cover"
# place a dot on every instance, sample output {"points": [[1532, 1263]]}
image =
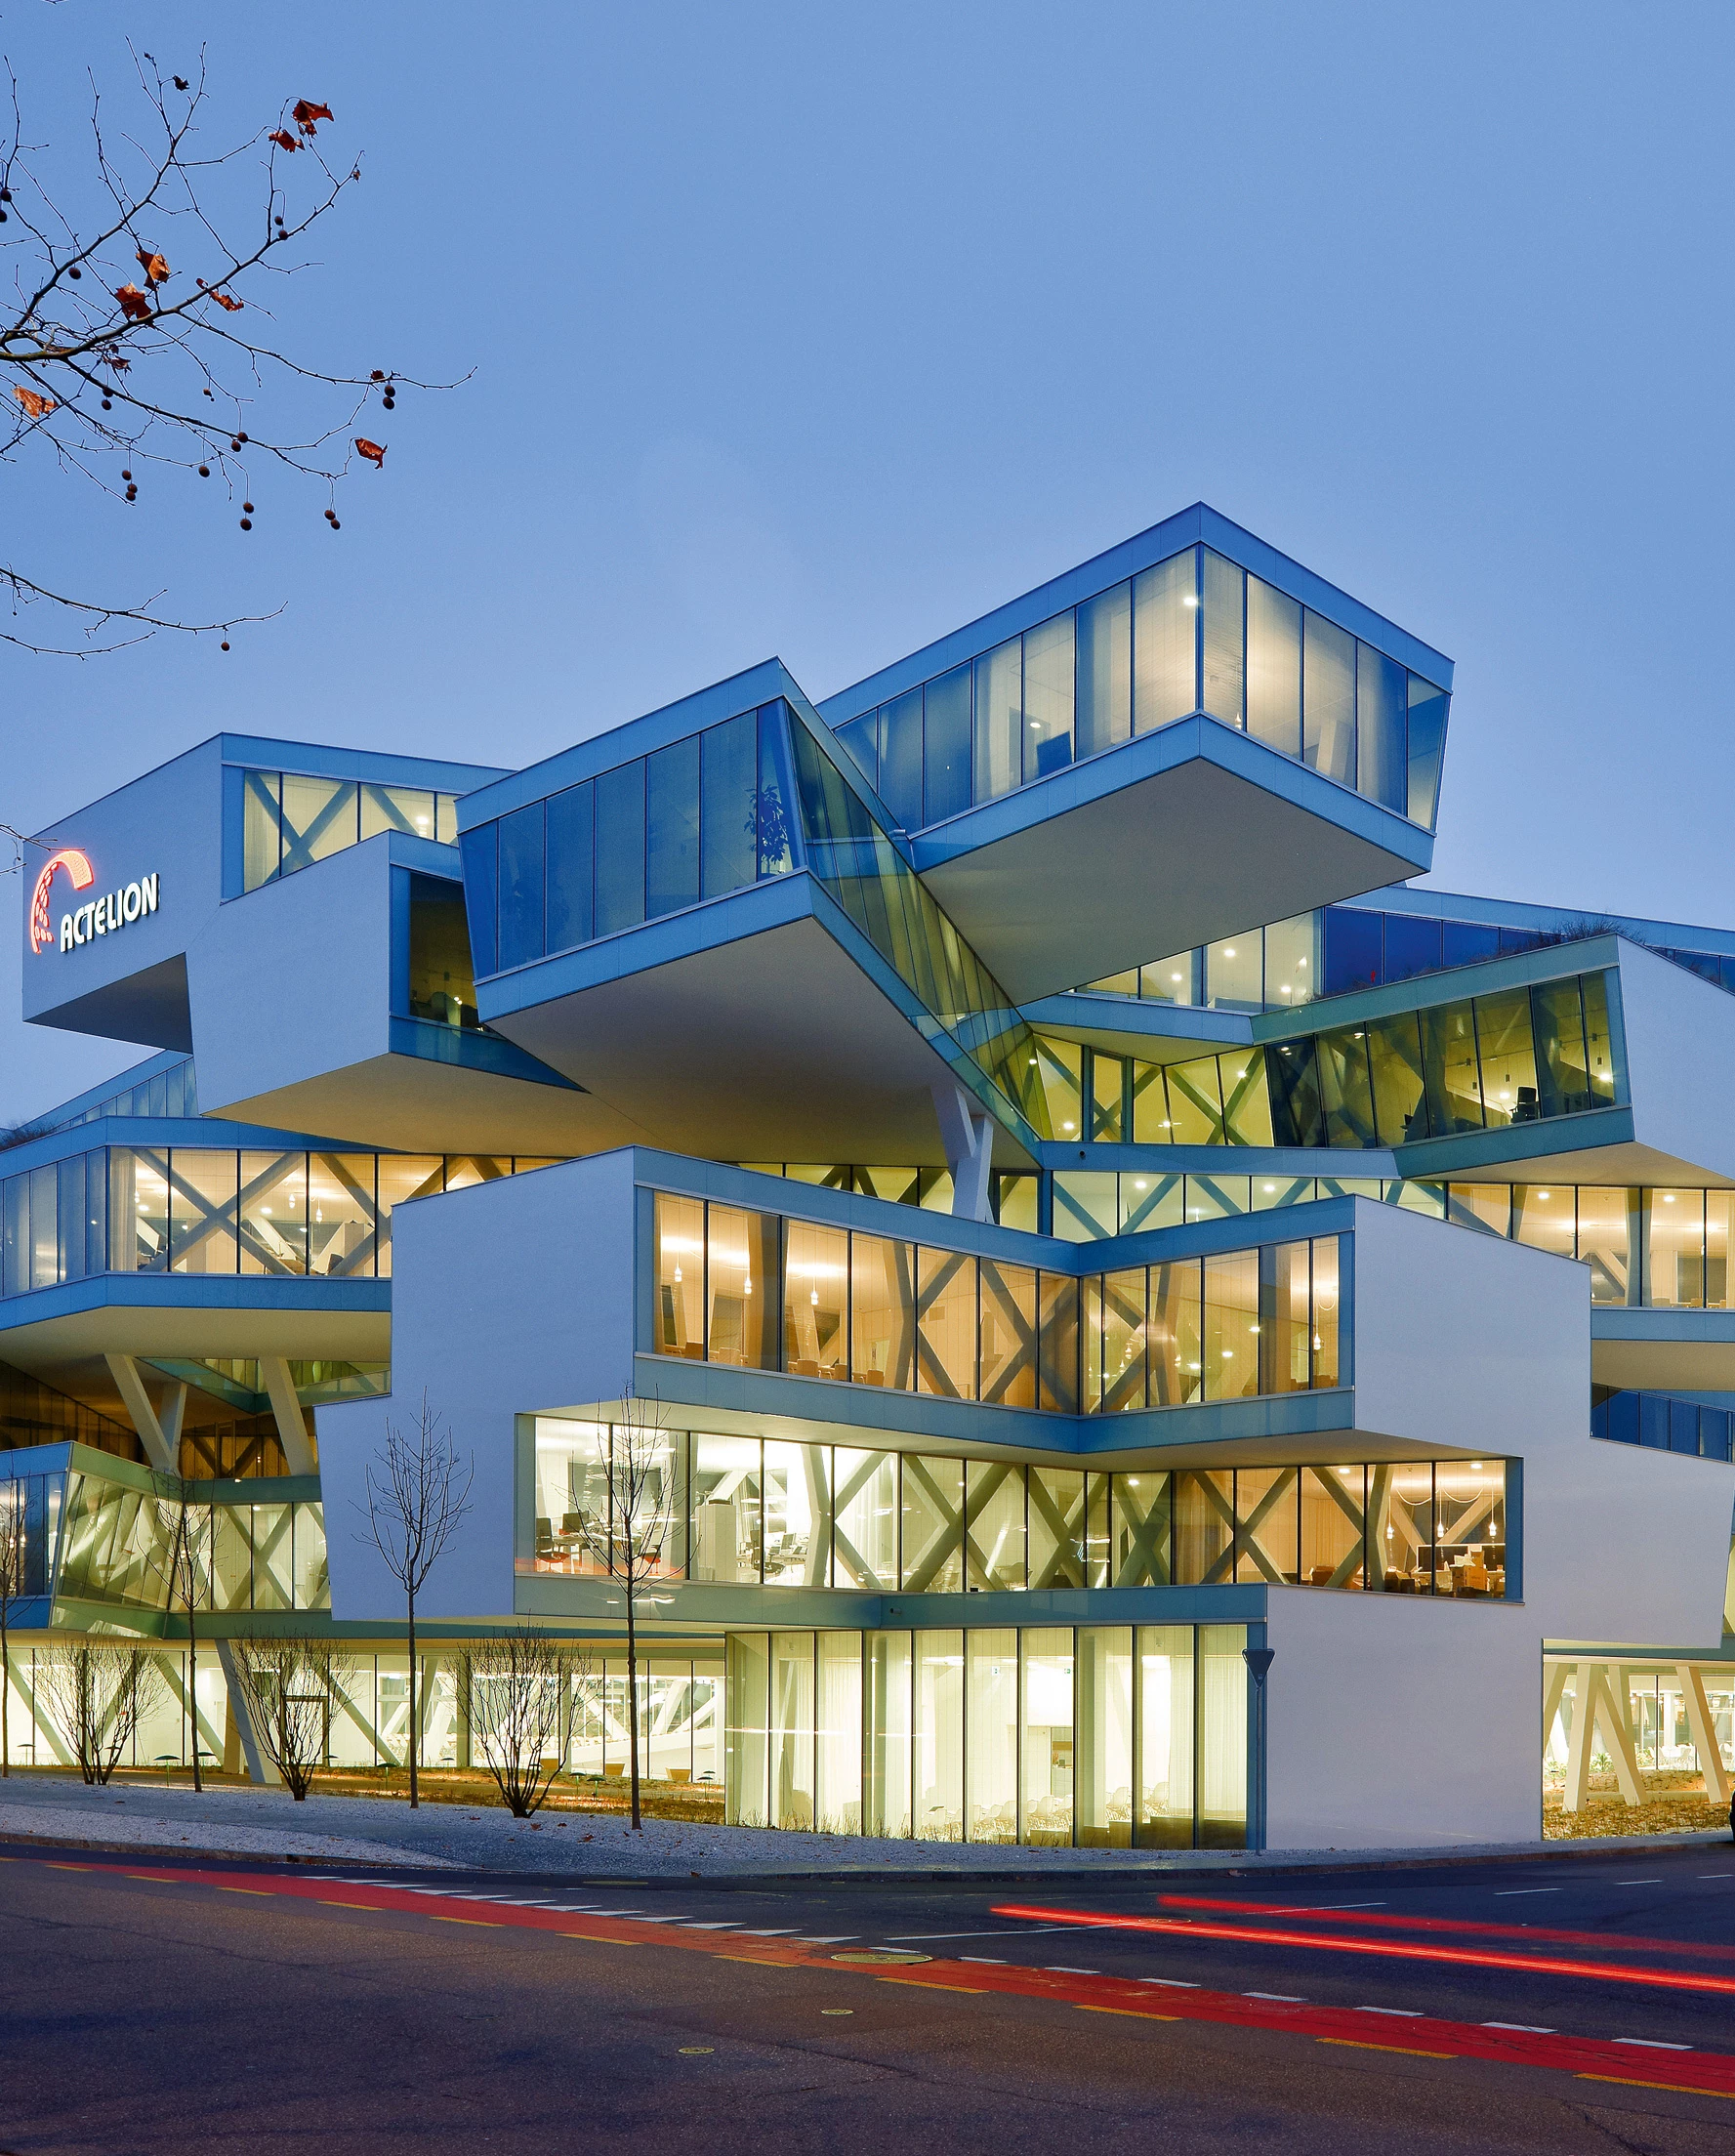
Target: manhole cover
{"points": [[881, 1954]]}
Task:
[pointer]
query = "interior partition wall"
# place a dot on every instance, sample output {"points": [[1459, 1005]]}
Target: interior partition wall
{"points": [[1093, 1736]]}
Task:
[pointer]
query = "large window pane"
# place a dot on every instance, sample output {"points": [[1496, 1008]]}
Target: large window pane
{"points": [[994, 1537], [1008, 1346], [1047, 697], [1059, 1528], [946, 1318], [882, 1292], [1605, 1244], [670, 828], [1292, 962], [1139, 1530], [262, 823], [728, 762], [1195, 1103], [991, 1718], [1247, 1099], [572, 865], [273, 1213], [1114, 1343], [887, 1721], [1048, 1736], [1718, 1207], [1223, 1737], [1382, 772], [1332, 1526], [1562, 1073], [406, 809], [1395, 1064], [900, 758], [442, 982], [1168, 979], [1273, 667], [1234, 978], [1329, 699], [1285, 1345], [939, 1736], [1484, 1206], [521, 866], [1605, 1084], [681, 1276], [1176, 1333], [1165, 646], [742, 1274], [797, 1513], [1224, 664], [1058, 1301], [202, 1210], [1542, 1217], [1166, 1736], [1509, 1059], [1326, 1314], [1204, 1527], [1427, 746], [319, 819], [1000, 721], [838, 1733], [1102, 1702], [1267, 1527], [620, 849], [573, 1523], [815, 1301], [777, 793], [727, 1509], [1449, 1064], [745, 1747], [865, 1533], [946, 746], [1231, 1325], [1343, 1060], [1297, 1112], [933, 1510], [1674, 1249], [1471, 1527], [343, 1224], [402, 1176], [1105, 670]]}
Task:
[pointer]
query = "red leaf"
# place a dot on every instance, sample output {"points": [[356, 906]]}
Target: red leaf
{"points": [[38, 407], [222, 300], [283, 138], [307, 112], [134, 304], [156, 269], [373, 451]]}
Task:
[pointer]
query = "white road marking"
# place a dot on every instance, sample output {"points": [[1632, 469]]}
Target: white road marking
{"points": [[1717, 1875], [1060, 1969], [842, 1939], [788, 1931], [989, 1960], [1407, 2013], [1288, 1998], [1524, 2028], [1638, 1883], [1172, 1983], [1651, 2044], [694, 1924], [1507, 1893]]}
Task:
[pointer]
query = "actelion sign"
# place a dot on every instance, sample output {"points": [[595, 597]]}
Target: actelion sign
{"points": [[104, 916]]}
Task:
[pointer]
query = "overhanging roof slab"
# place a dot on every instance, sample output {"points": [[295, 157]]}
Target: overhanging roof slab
{"points": [[1177, 838]]}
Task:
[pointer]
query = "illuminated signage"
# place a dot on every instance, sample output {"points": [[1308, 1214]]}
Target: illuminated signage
{"points": [[114, 910]]}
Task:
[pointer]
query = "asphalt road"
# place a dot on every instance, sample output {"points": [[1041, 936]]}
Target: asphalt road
{"points": [[1570, 2003]]}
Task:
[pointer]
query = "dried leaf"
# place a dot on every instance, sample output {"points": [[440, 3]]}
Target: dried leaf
{"points": [[156, 269], [373, 451], [134, 303], [307, 112], [222, 300], [283, 138], [38, 407]]}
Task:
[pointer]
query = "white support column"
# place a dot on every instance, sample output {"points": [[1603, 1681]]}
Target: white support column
{"points": [[1578, 1750], [259, 1767], [161, 1448], [1554, 1692], [1702, 1724], [1610, 1693], [968, 1136], [287, 1409]]}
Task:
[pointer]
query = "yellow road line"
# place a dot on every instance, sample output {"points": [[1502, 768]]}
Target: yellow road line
{"points": [[1408, 2050], [1676, 2087], [372, 1907], [591, 1939], [265, 1894], [926, 1983], [1136, 2013], [482, 1923], [52, 1866], [755, 1961]]}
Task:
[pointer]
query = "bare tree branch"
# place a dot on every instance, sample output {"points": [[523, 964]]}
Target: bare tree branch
{"points": [[516, 1689]]}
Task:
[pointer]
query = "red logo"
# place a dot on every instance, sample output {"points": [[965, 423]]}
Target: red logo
{"points": [[83, 875]]}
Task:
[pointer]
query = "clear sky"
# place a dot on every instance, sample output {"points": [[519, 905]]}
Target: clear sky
{"points": [[819, 330]]}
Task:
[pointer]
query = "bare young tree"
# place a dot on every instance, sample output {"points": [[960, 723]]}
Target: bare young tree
{"points": [[626, 1521], [183, 1564], [516, 1687], [139, 330], [292, 1689], [98, 1692], [418, 1490], [14, 1550]]}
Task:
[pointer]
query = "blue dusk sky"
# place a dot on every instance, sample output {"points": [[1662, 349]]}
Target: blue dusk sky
{"points": [[820, 330]]}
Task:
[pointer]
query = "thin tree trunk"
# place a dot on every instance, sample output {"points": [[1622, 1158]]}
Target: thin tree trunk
{"points": [[633, 1689], [5, 1697], [412, 1745], [192, 1682]]}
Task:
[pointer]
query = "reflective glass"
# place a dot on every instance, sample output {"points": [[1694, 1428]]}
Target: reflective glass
{"points": [[522, 868], [1509, 1059], [1285, 1358], [946, 746], [1328, 698], [1332, 1526], [681, 1276], [1247, 1099], [670, 828], [900, 758], [1105, 670], [1008, 1346], [1231, 1325], [1168, 979], [319, 819], [1268, 1526], [1047, 1736], [1107, 1088], [1234, 977], [406, 809], [1000, 721], [1204, 1527], [746, 1750], [1223, 1737], [946, 1324], [1454, 1082], [1047, 697], [1326, 1295], [886, 1728], [1297, 1112], [1176, 1333], [1195, 1103], [1104, 1706], [1225, 662], [1383, 773], [797, 1515], [1273, 667], [1563, 1084], [1057, 1526], [727, 1509], [1343, 1060], [776, 805], [1058, 1303], [1479, 1205], [1427, 746], [838, 1733], [620, 849], [1292, 962], [1605, 1244], [202, 1210], [1543, 1218], [1059, 1066], [1471, 1532], [1400, 1528], [932, 1514], [938, 1736], [1151, 1201], [1138, 1530], [1115, 1374], [1719, 1206], [1674, 1249], [882, 1300], [727, 762], [865, 1504], [571, 864], [1395, 1066], [261, 828], [1412, 946], [994, 1539], [742, 1274], [1165, 633], [441, 981], [1599, 1044]]}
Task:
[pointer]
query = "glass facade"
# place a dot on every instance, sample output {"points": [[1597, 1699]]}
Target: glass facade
{"points": [[172, 1092], [1658, 1420], [1519, 1056], [1098, 1736], [762, 1512], [290, 820], [1195, 633], [877, 1311], [201, 1209]]}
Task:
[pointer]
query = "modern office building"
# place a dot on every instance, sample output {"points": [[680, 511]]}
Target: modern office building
{"points": [[1157, 1331]]}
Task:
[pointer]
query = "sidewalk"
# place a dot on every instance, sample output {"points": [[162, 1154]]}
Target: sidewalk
{"points": [[269, 1824]]}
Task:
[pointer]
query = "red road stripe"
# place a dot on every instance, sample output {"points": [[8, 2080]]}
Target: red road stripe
{"points": [[1528, 1931], [1695, 2073], [1623, 1973]]}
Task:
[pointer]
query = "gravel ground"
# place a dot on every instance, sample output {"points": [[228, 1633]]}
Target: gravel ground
{"points": [[267, 1822]]}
